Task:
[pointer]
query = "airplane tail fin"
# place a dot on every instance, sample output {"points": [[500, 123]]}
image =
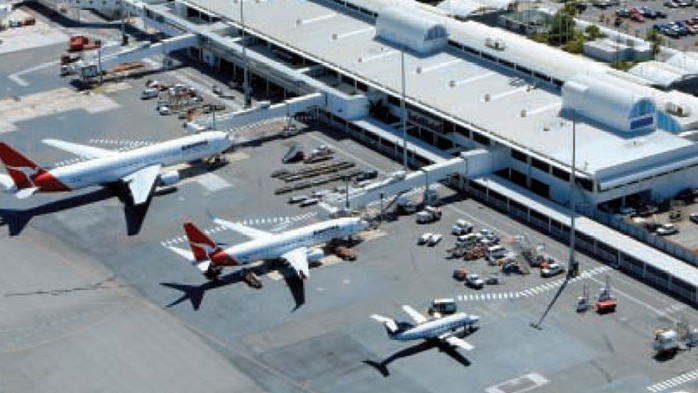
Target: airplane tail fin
{"points": [[389, 324], [209, 257], [20, 168]]}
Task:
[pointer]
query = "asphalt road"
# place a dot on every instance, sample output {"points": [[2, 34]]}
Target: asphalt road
{"points": [[94, 301]]}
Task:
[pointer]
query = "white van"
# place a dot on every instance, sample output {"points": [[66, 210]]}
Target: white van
{"points": [[149, 93], [466, 240], [495, 252]]}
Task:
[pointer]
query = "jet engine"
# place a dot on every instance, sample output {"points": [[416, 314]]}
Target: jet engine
{"points": [[315, 254], [168, 178]]}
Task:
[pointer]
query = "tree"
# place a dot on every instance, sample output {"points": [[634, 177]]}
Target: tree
{"points": [[593, 32], [560, 29], [654, 37]]}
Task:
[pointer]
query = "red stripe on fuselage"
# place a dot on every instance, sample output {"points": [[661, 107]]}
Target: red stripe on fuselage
{"points": [[49, 183]]}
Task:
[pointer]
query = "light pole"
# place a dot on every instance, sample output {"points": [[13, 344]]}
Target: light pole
{"points": [[403, 110], [245, 71], [573, 266]]}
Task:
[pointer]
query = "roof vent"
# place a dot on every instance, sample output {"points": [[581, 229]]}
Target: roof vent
{"points": [[677, 109], [495, 43]]}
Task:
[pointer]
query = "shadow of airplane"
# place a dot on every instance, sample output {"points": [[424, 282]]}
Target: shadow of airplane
{"points": [[195, 293], [382, 366], [297, 287], [16, 219]]}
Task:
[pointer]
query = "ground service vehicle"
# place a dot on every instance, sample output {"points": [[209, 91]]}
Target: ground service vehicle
{"points": [[441, 307], [495, 252], [461, 227], [666, 342], [434, 239], [552, 269], [474, 281]]}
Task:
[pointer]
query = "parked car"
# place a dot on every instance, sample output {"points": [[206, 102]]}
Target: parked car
{"points": [[434, 239], [461, 227], [637, 17], [308, 202], [424, 238], [149, 93], [474, 281], [367, 175], [666, 230], [693, 217], [552, 269], [671, 4], [622, 13], [164, 110], [297, 198], [646, 210]]}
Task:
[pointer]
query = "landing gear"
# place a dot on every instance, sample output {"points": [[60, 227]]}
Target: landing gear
{"points": [[250, 278], [213, 273]]}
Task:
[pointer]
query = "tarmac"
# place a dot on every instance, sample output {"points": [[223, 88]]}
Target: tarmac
{"points": [[94, 301]]}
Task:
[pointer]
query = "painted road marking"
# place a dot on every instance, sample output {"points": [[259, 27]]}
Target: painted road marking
{"points": [[673, 382], [537, 290]]}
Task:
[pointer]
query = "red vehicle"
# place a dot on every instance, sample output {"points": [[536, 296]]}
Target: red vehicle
{"points": [[636, 16]]}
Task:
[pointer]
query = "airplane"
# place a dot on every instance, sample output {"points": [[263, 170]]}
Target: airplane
{"points": [[293, 246], [443, 329], [138, 169]]}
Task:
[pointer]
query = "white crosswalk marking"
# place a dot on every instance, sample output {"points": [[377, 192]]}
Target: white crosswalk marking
{"points": [[672, 382]]}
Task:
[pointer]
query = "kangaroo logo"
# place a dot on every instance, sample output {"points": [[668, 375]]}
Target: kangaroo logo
{"points": [[207, 249], [28, 172]]}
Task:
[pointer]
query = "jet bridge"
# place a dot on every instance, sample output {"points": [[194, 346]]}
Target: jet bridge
{"points": [[141, 51], [260, 112], [472, 164]]}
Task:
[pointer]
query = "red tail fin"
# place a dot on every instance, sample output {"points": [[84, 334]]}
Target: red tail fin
{"points": [[21, 169], [201, 245]]}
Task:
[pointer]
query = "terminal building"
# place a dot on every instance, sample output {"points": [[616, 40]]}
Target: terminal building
{"points": [[513, 109], [467, 86]]}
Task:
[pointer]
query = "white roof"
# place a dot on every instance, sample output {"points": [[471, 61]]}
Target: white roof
{"points": [[464, 8], [687, 61], [660, 74], [453, 84]]}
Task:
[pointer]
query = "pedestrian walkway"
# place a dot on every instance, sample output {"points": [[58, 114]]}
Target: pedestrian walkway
{"points": [[537, 290], [673, 382]]}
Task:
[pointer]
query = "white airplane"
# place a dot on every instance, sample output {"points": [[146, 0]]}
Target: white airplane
{"points": [[139, 169], [444, 329], [293, 246]]}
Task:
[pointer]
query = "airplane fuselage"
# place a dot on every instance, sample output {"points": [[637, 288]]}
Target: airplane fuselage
{"points": [[275, 246], [436, 328], [113, 168]]}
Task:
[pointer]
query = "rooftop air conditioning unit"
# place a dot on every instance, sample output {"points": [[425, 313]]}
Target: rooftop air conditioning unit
{"points": [[677, 109], [495, 43]]}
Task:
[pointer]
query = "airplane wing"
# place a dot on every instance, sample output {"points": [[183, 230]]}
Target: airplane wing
{"points": [[458, 343], [414, 314], [141, 182], [250, 232], [80, 150], [298, 259]]}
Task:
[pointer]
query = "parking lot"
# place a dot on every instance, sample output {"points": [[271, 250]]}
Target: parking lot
{"points": [[639, 29], [145, 312]]}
